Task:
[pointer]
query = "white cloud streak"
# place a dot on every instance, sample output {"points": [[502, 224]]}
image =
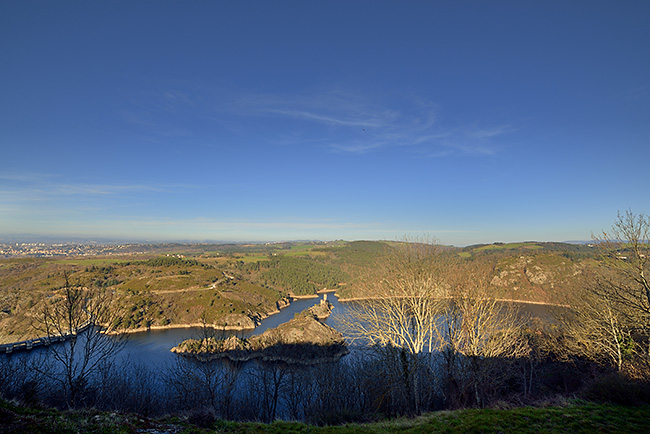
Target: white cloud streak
{"points": [[340, 120], [301, 114], [363, 125], [26, 188], [101, 189], [485, 133]]}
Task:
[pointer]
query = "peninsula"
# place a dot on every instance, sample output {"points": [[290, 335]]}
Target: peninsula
{"points": [[302, 340]]}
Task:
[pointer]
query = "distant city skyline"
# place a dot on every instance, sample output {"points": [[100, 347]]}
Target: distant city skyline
{"points": [[468, 122]]}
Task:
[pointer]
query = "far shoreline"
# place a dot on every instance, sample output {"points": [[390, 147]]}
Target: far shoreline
{"points": [[215, 327], [182, 326], [505, 300], [317, 294]]}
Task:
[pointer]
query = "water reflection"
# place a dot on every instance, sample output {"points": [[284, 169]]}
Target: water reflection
{"points": [[155, 345], [149, 378], [152, 348]]}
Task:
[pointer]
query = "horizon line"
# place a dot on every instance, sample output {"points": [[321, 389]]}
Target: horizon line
{"points": [[103, 240]]}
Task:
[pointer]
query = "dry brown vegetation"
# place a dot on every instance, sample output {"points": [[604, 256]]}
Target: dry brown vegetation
{"points": [[442, 338], [610, 317], [226, 289]]}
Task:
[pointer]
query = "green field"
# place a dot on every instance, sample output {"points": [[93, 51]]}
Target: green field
{"points": [[575, 417], [510, 246], [86, 262]]}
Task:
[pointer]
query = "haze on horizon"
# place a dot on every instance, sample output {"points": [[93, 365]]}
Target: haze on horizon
{"points": [[465, 121]]}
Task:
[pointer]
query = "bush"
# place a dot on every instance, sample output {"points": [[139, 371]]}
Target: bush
{"points": [[202, 417], [617, 389]]}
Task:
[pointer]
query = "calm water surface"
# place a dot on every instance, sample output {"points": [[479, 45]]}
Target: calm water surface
{"points": [[154, 346]]}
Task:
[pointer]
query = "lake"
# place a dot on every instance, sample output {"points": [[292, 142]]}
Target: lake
{"points": [[147, 377], [153, 347]]}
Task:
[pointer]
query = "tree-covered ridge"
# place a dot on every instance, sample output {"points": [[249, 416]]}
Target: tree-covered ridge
{"points": [[574, 252], [355, 253], [148, 292], [169, 285], [169, 261], [297, 275]]}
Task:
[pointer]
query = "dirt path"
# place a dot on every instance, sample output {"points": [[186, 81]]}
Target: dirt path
{"points": [[172, 291]]}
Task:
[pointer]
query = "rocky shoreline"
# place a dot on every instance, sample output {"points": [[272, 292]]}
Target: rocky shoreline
{"points": [[303, 340], [250, 320]]}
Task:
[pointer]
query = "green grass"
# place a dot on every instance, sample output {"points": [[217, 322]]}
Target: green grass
{"points": [[580, 417], [529, 246], [577, 417]]}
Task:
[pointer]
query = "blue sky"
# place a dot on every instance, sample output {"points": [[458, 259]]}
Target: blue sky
{"points": [[255, 120]]}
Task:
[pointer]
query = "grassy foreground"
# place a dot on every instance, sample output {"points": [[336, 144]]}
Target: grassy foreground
{"points": [[576, 417]]}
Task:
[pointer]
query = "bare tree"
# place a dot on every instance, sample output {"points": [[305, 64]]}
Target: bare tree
{"points": [[299, 392], [196, 383], [594, 328], [21, 379], [610, 318], [401, 299], [426, 300], [230, 376], [400, 314], [268, 383], [83, 320], [624, 276], [477, 334]]}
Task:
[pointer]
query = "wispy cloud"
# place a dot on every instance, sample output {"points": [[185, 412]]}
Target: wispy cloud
{"points": [[339, 120], [101, 189], [159, 113], [35, 187], [357, 147], [175, 96], [302, 114], [334, 108], [486, 133], [361, 125], [40, 204], [24, 177]]}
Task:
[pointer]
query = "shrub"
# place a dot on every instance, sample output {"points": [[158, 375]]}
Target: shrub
{"points": [[617, 389]]}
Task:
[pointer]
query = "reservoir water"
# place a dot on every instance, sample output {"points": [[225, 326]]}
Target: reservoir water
{"points": [[155, 345], [152, 348], [148, 377]]}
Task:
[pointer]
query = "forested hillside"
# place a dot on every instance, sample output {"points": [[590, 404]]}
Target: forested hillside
{"points": [[236, 285]]}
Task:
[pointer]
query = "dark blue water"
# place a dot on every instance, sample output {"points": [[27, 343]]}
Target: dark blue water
{"points": [[155, 345], [153, 348], [147, 355]]}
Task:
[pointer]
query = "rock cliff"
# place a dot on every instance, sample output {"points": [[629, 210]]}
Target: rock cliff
{"points": [[302, 340]]}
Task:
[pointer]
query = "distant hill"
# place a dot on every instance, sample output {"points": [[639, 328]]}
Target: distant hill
{"points": [[235, 285]]}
